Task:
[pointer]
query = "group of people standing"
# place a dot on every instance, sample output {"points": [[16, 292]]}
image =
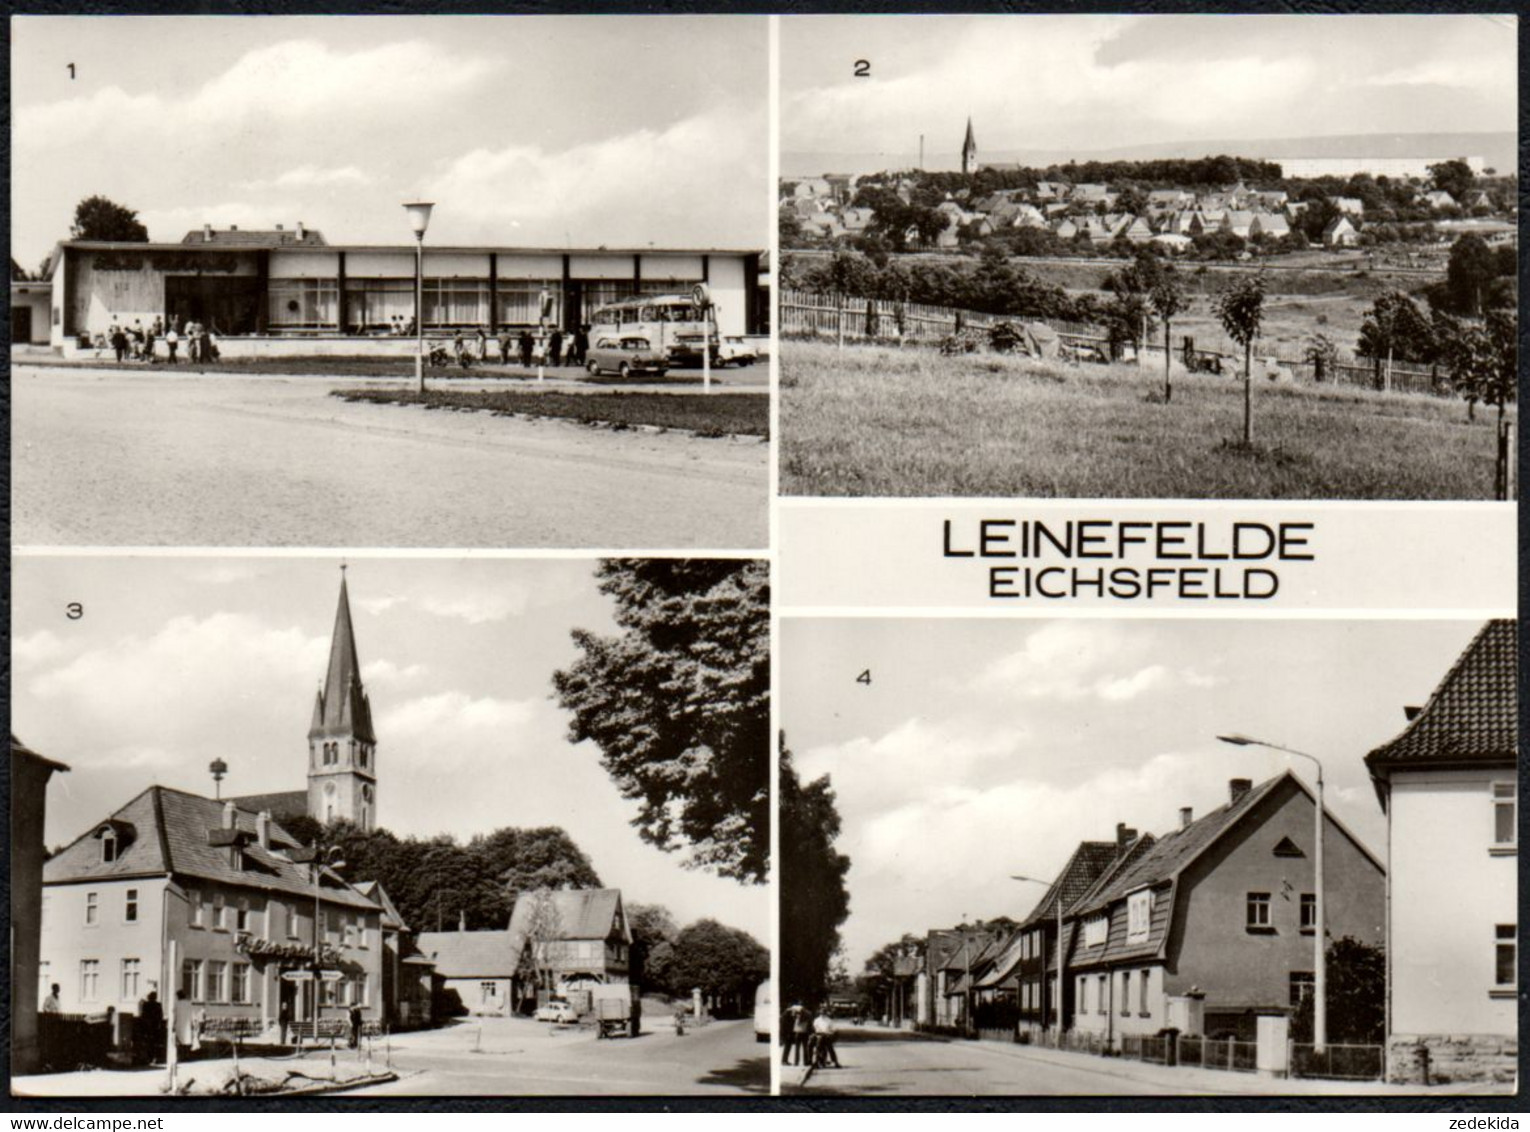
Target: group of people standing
{"points": [[808, 1038], [136, 343]]}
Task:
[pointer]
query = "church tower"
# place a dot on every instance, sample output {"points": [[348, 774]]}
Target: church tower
{"points": [[342, 750], [969, 150]]}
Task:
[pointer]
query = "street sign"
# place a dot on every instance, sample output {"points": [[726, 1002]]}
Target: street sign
{"points": [[297, 976], [701, 295]]}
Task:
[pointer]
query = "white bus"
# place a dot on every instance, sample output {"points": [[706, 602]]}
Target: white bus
{"points": [[673, 325]]}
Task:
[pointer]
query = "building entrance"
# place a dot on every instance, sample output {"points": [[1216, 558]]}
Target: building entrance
{"points": [[226, 304]]}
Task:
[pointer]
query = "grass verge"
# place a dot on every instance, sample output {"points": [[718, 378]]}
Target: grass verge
{"points": [[720, 414], [874, 421]]}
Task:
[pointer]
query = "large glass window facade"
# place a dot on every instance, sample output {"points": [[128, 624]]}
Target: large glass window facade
{"points": [[379, 305], [303, 304], [519, 300], [456, 302]]}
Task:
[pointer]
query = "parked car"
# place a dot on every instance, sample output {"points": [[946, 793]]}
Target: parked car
{"points": [[557, 1010], [735, 350], [626, 356]]}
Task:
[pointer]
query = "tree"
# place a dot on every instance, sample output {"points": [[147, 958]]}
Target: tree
{"points": [[538, 961], [652, 926], [1356, 994], [1472, 267], [1241, 311], [813, 898], [679, 704], [1169, 299], [1395, 327], [726, 963], [1132, 287], [1322, 354], [97, 218], [1454, 177]]}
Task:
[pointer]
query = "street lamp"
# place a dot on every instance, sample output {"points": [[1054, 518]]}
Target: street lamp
{"points": [[1058, 999], [419, 220], [320, 857], [1320, 957]]}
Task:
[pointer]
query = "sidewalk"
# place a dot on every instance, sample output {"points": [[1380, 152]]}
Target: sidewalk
{"points": [[309, 1071]]}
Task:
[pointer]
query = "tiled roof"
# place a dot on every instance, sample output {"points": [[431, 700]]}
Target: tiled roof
{"points": [[280, 805], [169, 834], [375, 892], [1471, 716], [1173, 851], [581, 913], [471, 955]]}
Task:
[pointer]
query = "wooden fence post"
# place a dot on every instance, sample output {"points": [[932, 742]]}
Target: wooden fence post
{"points": [[839, 320]]}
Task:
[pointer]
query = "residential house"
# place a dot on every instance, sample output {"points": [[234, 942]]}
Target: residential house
{"points": [[1066, 229], [1449, 785], [856, 220], [1172, 242], [1222, 910], [1137, 230], [228, 896], [565, 940], [812, 187], [1050, 191], [1349, 206], [1092, 194], [948, 953], [1271, 224], [1028, 962], [1169, 200], [406, 974], [30, 982], [1238, 222], [1340, 233], [1438, 199]]}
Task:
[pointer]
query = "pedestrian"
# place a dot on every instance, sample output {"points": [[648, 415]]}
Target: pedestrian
{"points": [[526, 344], [355, 1027], [283, 1021], [796, 1023], [483, 344], [51, 1003], [172, 340], [679, 1019], [191, 342], [149, 1029], [505, 342], [554, 347], [582, 343], [823, 1040]]}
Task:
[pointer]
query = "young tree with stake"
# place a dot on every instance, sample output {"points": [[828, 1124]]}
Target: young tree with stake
{"points": [[1241, 309], [1169, 299]]}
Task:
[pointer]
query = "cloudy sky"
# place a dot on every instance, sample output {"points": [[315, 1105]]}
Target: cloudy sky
{"points": [[525, 130], [985, 748], [1098, 82], [177, 661]]}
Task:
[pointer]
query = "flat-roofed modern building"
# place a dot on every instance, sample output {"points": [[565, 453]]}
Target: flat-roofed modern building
{"points": [[268, 287]]}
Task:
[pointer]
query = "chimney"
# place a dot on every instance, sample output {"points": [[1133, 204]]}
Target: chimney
{"points": [[229, 810], [233, 227], [278, 227], [207, 233], [300, 231], [263, 829], [1237, 787], [1125, 835], [1186, 816]]}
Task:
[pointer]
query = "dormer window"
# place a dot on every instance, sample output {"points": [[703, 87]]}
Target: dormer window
{"points": [[108, 847]]}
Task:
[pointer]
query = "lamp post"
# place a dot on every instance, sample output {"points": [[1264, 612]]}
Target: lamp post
{"points": [[1057, 1000], [1320, 956], [419, 220], [320, 857]]}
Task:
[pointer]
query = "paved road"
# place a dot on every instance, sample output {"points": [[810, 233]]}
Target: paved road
{"points": [[114, 459], [515, 1056], [880, 1063]]}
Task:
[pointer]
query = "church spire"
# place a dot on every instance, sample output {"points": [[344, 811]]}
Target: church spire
{"points": [[969, 149], [342, 748]]}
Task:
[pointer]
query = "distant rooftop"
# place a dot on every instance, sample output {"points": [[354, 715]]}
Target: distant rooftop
{"points": [[235, 237]]}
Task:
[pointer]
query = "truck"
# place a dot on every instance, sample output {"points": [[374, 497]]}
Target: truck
{"points": [[618, 1012]]}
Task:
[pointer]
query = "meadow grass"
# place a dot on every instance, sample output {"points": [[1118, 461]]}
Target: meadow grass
{"points": [[878, 421]]}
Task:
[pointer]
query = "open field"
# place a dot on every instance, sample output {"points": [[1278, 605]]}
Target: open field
{"points": [[875, 421], [720, 414]]}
